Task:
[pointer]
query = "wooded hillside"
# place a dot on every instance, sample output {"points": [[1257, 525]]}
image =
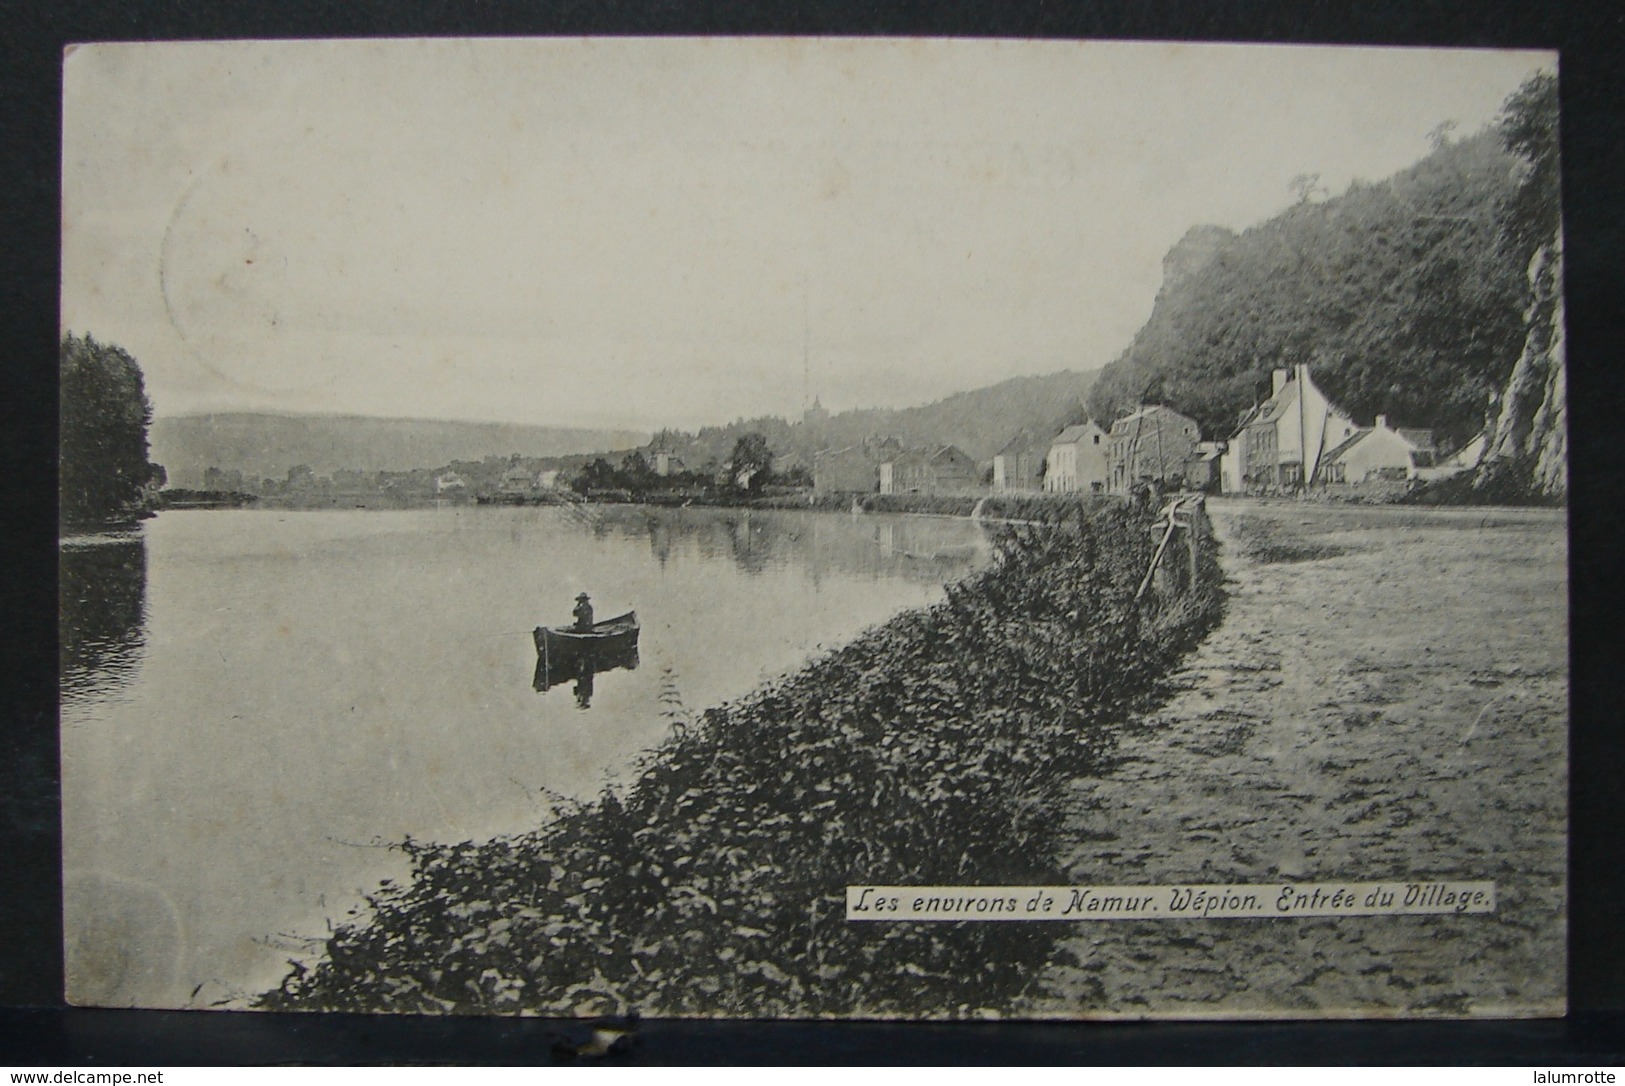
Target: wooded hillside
{"points": [[1406, 296], [980, 422]]}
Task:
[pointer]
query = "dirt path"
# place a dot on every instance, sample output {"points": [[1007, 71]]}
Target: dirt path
{"points": [[1385, 699]]}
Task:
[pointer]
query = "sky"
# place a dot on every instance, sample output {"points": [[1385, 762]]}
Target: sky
{"points": [[637, 233]]}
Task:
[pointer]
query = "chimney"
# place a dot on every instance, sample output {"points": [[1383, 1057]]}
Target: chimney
{"points": [[1278, 382], [1382, 422]]}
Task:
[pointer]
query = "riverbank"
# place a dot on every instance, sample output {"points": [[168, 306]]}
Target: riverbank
{"points": [[1033, 507], [1385, 700], [932, 750], [1030, 507]]}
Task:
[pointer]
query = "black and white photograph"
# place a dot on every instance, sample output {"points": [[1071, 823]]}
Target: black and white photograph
{"points": [[807, 528]]}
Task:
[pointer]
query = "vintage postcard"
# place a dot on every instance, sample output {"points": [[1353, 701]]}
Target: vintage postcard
{"points": [[813, 528]]}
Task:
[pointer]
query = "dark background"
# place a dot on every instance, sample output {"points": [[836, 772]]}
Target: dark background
{"points": [[36, 1029]]}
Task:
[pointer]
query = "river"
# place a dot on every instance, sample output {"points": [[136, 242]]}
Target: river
{"points": [[255, 704]]}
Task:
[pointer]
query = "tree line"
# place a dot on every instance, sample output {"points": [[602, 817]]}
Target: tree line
{"points": [[749, 469]]}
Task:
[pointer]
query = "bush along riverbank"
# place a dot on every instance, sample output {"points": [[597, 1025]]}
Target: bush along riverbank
{"points": [[929, 751], [1032, 506]]}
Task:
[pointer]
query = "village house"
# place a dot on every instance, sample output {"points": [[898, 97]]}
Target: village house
{"points": [[1282, 442], [942, 470], [1076, 460], [1151, 445], [516, 480], [849, 470], [1379, 453], [451, 483], [1299, 438], [1202, 470], [1020, 464], [664, 454], [854, 469], [1463, 459]]}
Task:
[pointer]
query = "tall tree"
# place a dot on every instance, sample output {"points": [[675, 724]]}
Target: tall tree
{"points": [[104, 418], [753, 459]]}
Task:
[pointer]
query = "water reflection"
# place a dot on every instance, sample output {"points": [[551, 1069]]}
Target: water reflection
{"points": [[922, 549], [579, 668], [102, 611], [286, 682]]}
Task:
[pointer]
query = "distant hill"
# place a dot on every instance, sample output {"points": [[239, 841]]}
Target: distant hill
{"points": [[266, 446], [980, 422]]}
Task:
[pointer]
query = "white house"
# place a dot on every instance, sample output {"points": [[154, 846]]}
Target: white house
{"points": [[1076, 460], [1281, 442], [1380, 452]]}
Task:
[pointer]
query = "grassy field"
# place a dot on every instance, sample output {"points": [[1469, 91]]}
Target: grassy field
{"points": [[1386, 698]]}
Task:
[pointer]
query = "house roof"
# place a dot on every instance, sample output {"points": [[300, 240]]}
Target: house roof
{"points": [[1337, 452], [1072, 435], [926, 456], [1136, 417], [1271, 410], [1422, 439], [1024, 441], [1248, 417]]}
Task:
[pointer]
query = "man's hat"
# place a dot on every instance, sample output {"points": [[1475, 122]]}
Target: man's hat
{"points": [[583, 596]]}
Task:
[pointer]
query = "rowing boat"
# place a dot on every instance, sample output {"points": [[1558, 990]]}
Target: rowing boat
{"points": [[609, 637]]}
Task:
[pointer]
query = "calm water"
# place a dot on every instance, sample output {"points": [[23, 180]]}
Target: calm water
{"points": [[255, 702]]}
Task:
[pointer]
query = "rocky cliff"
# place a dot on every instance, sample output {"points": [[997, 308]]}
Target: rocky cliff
{"points": [[1527, 441]]}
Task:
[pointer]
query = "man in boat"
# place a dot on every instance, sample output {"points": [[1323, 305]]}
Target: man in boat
{"points": [[583, 613]]}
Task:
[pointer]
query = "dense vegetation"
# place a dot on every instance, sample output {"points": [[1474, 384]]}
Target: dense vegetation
{"points": [[931, 750], [1434, 297], [1402, 295], [1035, 507], [104, 414]]}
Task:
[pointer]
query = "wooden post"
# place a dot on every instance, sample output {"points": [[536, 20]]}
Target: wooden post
{"points": [[1190, 548], [1161, 547]]}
